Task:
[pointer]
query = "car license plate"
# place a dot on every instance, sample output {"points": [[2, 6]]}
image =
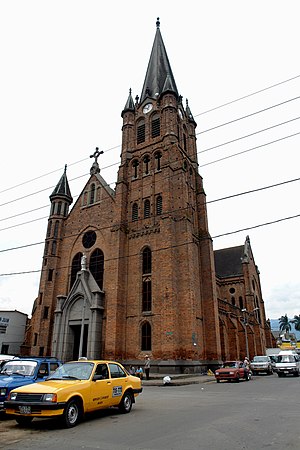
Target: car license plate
{"points": [[25, 409], [285, 371]]}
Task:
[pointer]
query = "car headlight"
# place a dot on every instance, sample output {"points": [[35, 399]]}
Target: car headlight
{"points": [[50, 398], [217, 373], [13, 396], [3, 392], [231, 373]]}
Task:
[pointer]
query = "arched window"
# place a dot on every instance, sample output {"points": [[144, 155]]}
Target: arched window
{"points": [[76, 267], [147, 261], [65, 209], [155, 126], [185, 134], [53, 249], [55, 234], [140, 132], [52, 208], [135, 212], [97, 266], [146, 164], [92, 194], [146, 209], [135, 166], [58, 208], [146, 280], [147, 294], [157, 157], [159, 205], [241, 303], [146, 337], [49, 228]]}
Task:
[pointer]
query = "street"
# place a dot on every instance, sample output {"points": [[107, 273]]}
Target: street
{"points": [[260, 414]]}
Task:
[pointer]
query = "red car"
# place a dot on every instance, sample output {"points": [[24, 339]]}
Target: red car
{"points": [[232, 371]]}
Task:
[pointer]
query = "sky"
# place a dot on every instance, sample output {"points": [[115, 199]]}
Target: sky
{"points": [[66, 70]]}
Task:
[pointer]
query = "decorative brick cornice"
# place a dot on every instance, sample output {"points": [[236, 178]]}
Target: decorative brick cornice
{"points": [[144, 232]]}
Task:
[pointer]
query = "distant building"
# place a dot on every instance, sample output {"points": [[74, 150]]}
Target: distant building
{"points": [[12, 331], [131, 271]]}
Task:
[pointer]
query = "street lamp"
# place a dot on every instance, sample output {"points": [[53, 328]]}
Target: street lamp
{"points": [[244, 311]]}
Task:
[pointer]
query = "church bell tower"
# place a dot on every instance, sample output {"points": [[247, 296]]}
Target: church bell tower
{"points": [[171, 309]]}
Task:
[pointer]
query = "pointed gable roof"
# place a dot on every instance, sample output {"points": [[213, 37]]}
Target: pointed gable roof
{"points": [[62, 188], [159, 77], [229, 261]]}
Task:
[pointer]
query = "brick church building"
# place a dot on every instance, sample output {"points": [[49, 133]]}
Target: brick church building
{"points": [[132, 271]]}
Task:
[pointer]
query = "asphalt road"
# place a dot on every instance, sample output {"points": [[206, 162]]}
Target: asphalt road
{"points": [[260, 414]]}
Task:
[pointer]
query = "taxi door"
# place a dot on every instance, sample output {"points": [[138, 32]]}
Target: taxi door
{"points": [[101, 388], [119, 381]]}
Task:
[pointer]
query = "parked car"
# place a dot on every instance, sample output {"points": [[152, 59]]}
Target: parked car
{"points": [[273, 359], [288, 363], [22, 371], [261, 364], [232, 371], [73, 389]]}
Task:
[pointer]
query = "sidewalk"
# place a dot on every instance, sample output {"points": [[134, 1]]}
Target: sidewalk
{"points": [[177, 380]]}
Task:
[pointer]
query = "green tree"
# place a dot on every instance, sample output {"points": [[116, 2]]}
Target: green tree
{"points": [[285, 324], [296, 322]]}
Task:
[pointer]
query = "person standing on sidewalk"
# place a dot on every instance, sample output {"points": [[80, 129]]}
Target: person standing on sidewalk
{"points": [[147, 367]]}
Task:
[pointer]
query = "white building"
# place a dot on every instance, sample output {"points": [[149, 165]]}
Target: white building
{"points": [[12, 331]]}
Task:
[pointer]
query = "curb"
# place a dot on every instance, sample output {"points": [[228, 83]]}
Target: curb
{"points": [[178, 382]]}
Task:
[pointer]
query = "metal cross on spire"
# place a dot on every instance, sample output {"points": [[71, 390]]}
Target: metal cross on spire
{"points": [[95, 167]]}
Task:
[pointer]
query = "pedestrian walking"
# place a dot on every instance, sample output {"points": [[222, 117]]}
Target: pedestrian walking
{"points": [[147, 367]]}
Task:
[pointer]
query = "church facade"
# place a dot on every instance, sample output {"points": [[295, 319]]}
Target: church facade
{"points": [[132, 271]]}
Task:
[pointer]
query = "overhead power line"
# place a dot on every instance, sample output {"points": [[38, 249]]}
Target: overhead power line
{"points": [[249, 115], [117, 146], [168, 247], [247, 135], [246, 96], [210, 201], [256, 226], [249, 150]]}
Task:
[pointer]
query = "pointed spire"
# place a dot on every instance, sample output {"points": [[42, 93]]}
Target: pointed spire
{"points": [[188, 112], [129, 106], [62, 188], [159, 77]]}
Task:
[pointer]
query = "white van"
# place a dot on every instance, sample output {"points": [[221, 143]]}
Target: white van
{"points": [[288, 362]]}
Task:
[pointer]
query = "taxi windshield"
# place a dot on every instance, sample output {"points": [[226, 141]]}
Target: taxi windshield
{"points": [[25, 368], [73, 371]]}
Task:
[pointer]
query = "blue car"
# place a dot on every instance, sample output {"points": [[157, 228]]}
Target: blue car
{"points": [[21, 371]]}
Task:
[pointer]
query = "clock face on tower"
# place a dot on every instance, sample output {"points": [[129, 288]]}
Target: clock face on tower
{"points": [[147, 108]]}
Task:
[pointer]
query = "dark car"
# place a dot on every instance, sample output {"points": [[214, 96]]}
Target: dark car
{"points": [[21, 371], [232, 371]]}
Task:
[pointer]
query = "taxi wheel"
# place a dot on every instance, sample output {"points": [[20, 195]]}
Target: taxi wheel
{"points": [[126, 403], [24, 421], [72, 414]]}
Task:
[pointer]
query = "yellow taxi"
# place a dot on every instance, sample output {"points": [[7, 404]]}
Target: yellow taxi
{"points": [[75, 388]]}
